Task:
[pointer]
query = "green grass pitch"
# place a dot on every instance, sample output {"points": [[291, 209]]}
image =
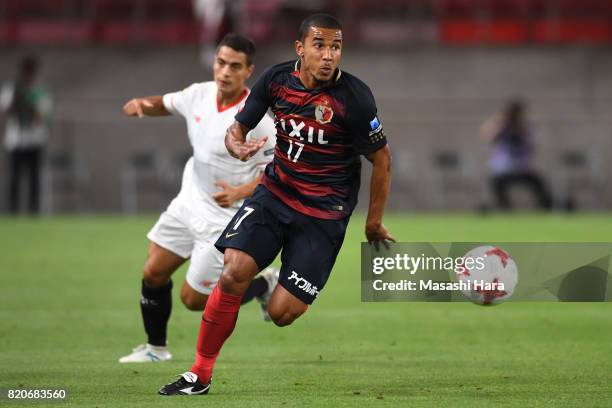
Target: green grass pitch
{"points": [[69, 308]]}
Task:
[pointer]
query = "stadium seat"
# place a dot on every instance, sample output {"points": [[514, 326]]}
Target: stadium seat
{"points": [[141, 183], [459, 21], [34, 31], [454, 185], [405, 182], [162, 32], [65, 184], [579, 180], [172, 166], [455, 8]]}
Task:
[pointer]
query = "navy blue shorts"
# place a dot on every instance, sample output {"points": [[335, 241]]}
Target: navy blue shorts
{"points": [[264, 225]]}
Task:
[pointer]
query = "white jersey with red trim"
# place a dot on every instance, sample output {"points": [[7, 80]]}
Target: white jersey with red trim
{"points": [[207, 124]]}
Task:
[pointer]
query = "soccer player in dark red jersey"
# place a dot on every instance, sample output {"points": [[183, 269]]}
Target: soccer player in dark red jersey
{"points": [[325, 120]]}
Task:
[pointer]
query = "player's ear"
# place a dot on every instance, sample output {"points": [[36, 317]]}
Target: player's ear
{"points": [[299, 48], [250, 69]]}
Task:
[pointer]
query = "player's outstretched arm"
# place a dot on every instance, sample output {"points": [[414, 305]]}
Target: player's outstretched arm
{"points": [[146, 106], [236, 144], [379, 190]]}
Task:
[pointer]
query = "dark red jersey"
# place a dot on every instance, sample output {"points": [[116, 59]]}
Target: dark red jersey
{"points": [[320, 136]]}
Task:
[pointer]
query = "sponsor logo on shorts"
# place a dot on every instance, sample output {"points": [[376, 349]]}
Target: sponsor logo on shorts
{"points": [[303, 284], [228, 235]]}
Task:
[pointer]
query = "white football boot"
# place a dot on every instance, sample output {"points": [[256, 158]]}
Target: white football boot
{"points": [[146, 353], [271, 276]]}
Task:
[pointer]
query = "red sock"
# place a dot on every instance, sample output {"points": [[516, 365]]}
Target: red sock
{"points": [[218, 321]]}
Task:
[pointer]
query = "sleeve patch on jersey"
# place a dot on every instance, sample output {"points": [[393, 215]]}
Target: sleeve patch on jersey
{"points": [[269, 152], [374, 124], [376, 134], [375, 130], [377, 137]]}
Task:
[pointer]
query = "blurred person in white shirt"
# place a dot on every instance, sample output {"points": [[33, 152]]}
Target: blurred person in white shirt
{"points": [[26, 107]]}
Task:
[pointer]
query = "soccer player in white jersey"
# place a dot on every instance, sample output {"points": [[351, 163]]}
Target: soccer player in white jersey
{"points": [[213, 188]]}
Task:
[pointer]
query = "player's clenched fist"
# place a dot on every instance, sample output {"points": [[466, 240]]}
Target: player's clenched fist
{"points": [[137, 107]]}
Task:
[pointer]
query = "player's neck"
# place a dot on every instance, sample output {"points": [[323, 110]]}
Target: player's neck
{"points": [[310, 81], [225, 100]]}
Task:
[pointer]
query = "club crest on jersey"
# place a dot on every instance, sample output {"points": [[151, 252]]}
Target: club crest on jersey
{"points": [[324, 113]]}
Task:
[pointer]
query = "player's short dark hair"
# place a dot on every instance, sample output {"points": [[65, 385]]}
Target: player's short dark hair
{"points": [[317, 20], [239, 43]]}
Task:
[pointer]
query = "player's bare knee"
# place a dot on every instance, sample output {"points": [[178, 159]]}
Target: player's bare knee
{"points": [[194, 303], [154, 276], [281, 320], [237, 274], [284, 317], [230, 279]]}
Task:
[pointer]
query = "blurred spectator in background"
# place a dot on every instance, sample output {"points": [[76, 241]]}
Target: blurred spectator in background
{"points": [[26, 107], [511, 156], [217, 18], [253, 18]]}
